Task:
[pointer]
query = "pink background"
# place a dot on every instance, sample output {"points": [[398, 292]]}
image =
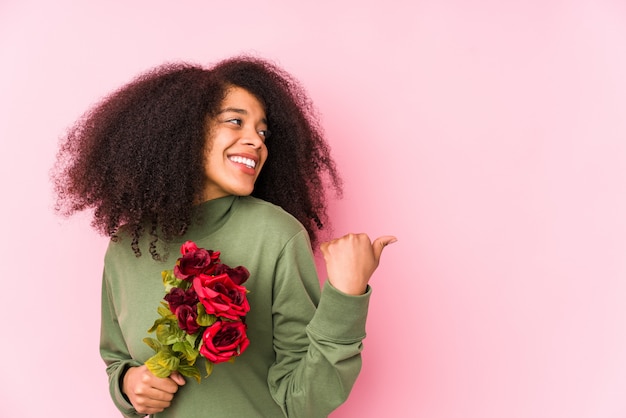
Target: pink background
{"points": [[489, 136]]}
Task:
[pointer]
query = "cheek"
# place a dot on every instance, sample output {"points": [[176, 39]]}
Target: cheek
{"points": [[264, 155], [207, 154]]}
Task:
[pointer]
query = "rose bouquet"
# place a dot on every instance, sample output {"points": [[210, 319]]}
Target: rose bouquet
{"points": [[203, 314]]}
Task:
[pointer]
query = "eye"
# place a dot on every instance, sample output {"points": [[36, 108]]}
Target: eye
{"points": [[235, 121], [265, 133]]}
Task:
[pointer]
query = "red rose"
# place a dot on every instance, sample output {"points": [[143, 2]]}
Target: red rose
{"points": [[188, 247], [223, 341], [183, 304], [238, 275], [187, 316], [195, 261], [178, 297], [220, 296]]}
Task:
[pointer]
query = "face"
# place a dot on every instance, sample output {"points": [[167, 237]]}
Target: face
{"points": [[236, 148]]}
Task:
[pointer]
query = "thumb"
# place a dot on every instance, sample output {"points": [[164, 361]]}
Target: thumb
{"points": [[380, 243], [323, 248], [177, 378]]}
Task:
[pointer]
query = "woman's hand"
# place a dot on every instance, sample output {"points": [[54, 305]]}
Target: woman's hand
{"points": [[352, 259], [150, 394]]}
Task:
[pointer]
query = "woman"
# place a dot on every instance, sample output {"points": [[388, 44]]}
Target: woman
{"points": [[232, 158]]}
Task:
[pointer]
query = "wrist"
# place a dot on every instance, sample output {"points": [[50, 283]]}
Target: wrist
{"points": [[124, 379], [352, 289]]}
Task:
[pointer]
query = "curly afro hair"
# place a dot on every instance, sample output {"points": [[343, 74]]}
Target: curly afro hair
{"points": [[137, 158]]}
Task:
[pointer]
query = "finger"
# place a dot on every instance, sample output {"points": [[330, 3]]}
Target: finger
{"points": [[178, 378], [166, 386], [151, 406], [380, 243], [160, 400], [157, 396]]}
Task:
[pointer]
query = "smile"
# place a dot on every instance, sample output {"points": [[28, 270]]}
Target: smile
{"points": [[248, 162]]}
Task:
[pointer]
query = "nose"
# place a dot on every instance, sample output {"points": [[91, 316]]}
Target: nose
{"points": [[253, 138]]}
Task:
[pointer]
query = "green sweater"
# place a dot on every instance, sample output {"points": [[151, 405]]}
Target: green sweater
{"points": [[305, 345]]}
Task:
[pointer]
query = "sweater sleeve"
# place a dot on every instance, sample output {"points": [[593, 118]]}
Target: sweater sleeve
{"points": [[114, 352], [317, 339]]}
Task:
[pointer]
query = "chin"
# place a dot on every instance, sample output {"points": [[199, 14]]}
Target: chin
{"points": [[246, 192]]}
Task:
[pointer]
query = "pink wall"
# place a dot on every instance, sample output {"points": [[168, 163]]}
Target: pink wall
{"points": [[490, 138]]}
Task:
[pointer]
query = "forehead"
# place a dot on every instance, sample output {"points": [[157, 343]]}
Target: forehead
{"points": [[238, 97]]}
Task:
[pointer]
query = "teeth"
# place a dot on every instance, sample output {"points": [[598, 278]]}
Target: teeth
{"points": [[245, 161]]}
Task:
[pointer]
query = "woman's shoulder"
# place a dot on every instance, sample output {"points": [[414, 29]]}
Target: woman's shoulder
{"points": [[258, 206], [268, 214]]}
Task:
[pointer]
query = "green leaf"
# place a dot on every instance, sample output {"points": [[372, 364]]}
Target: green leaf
{"points": [[164, 310], [153, 344], [160, 321], [154, 326], [168, 333], [190, 371], [194, 339], [187, 350], [204, 319], [163, 363], [209, 367], [170, 281]]}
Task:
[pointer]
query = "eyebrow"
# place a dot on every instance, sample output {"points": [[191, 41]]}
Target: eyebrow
{"points": [[238, 110]]}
